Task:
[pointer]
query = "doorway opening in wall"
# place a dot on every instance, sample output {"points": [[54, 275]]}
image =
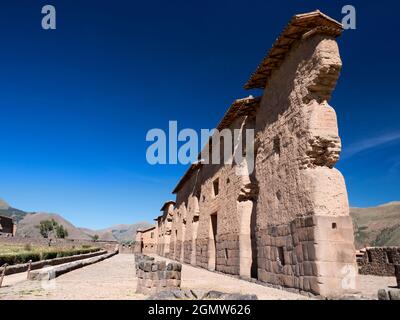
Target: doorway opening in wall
{"points": [[195, 227], [369, 256], [281, 256], [389, 257], [212, 251], [216, 187], [253, 240]]}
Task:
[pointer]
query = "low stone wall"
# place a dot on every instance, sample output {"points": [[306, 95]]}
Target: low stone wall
{"points": [[379, 261], [126, 248], [53, 272], [58, 243], [23, 267], [156, 276]]}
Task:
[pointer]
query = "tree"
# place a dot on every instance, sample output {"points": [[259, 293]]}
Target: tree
{"points": [[61, 232], [95, 237], [46, 227]]}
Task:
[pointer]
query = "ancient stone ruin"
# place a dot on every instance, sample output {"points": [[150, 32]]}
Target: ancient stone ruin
{"points": [[378, 261], [287, 221], [7, 227], [156, 276], [146, 241]]}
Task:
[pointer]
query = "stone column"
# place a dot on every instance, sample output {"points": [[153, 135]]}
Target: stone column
{"points": [[245, 253]]}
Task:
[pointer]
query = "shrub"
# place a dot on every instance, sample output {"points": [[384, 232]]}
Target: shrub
{"points": [[16, 258], [46, 255], [24, 257]]}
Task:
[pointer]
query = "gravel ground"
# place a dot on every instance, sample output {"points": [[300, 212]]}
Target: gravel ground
{"points": [[114, 279]]}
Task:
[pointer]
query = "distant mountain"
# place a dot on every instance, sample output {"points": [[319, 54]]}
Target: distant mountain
{"points": [[28, 222], [7, 211], [27, 227], [120, 232], [377, 226], [4, 205]]}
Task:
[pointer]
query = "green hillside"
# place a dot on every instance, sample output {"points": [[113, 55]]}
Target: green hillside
{"points": [[377, 226]]}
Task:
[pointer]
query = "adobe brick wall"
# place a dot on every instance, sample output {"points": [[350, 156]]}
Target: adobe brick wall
{"points": [[379, 261], [146, 241], [287, 222], [164, 229]]}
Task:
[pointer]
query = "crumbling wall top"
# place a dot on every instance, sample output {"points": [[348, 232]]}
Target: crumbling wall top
{"points": [[239, 108], [301, 26]]}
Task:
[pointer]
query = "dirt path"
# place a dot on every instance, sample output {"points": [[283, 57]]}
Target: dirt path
{"points": [[111, 279], [115, 278]]}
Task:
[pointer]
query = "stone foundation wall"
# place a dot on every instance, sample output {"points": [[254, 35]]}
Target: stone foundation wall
{"points": [[187, 251], [228, 253], [202, 253], [171, 254], [154, 277], [178, 250], [379, 261], [308, 254]]}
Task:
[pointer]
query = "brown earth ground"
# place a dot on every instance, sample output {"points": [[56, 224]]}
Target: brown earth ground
{"points": [[114, 279]]}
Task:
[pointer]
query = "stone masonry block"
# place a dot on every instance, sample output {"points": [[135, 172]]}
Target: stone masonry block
{"points": [[173, 275]]}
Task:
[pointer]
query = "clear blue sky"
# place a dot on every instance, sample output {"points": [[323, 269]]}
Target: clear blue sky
{"points": [[76, 103]]}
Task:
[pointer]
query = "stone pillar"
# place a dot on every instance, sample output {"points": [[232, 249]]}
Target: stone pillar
{"points": [[195, 227], [245, 209]]}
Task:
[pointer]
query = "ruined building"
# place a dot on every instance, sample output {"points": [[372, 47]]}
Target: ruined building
{"points": [[7, 227], [164, 228], [286, 222], [146, 240]]}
